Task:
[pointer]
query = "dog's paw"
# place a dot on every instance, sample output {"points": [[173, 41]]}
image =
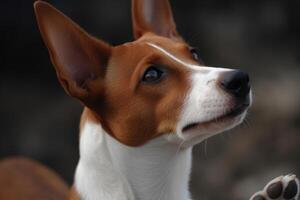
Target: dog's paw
{"points": [[281, 188]]}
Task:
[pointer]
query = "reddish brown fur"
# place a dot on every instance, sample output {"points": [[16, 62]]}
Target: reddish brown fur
{"points": [[107, 80], [23, 179], [136, 112], [73, 194], [161, 23], [131, 111]]}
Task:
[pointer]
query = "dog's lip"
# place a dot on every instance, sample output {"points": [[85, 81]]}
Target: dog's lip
{"points": [[230, 114]]}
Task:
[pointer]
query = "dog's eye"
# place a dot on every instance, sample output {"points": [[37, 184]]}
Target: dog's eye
{"points": [[153, 74], [194, 52]]}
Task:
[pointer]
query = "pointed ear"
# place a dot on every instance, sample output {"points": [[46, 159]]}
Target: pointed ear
{"points": [[79, 59], [153, 16]]}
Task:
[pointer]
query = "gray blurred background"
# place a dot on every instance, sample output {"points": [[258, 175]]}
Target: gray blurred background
{"points": [[262, 37]]}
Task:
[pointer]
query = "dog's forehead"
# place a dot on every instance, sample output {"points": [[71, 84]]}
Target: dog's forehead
{"points": [[152, 45], [171, 45]]}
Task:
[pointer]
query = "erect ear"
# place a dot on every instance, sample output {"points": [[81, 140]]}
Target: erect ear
{"points": [[153, 16], [79, 59]]}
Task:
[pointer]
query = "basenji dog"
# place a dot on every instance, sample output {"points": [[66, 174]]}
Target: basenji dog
{"points": [[147, 103]]}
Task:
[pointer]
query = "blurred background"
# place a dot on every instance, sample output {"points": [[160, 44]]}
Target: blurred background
{"points": [[263, 37]]}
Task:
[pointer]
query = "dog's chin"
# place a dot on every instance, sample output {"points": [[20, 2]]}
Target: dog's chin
{"points": [[197, 132], [237, 112]]}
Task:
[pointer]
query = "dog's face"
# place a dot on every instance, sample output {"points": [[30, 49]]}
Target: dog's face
{"points": [[155, 86]]}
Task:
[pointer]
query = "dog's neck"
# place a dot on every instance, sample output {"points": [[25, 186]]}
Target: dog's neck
{"points": [[109, 170]]}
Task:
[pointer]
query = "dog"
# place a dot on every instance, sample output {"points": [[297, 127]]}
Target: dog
{"points": [[146, 104]]}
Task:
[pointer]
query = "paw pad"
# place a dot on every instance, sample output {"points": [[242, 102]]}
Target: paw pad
{"points": [[280, 188], [291, 190], [274, 190]]}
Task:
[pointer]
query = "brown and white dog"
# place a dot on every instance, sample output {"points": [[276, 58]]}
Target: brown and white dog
{"points": [[147, 102]]}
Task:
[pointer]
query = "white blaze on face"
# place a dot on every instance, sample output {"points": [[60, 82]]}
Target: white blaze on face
{"points": [[205, 101]]}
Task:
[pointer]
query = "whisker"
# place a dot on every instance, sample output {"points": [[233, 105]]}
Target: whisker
{"points": [[179, 147]]}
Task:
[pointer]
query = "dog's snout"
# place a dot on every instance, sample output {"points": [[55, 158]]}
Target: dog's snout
{"points": [[236, 83]]}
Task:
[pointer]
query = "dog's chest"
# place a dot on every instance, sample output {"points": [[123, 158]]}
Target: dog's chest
{"points": [[108, 170], [96, 178]]}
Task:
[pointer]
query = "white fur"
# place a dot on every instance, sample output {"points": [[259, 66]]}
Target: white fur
{"points": [[109, 170], [96, 178], [205, 102]]}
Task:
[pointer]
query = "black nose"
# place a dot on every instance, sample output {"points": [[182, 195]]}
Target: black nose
{"points": [[237, 83]]}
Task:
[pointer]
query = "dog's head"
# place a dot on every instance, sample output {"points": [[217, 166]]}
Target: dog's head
{"points": [[155, 86]]}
